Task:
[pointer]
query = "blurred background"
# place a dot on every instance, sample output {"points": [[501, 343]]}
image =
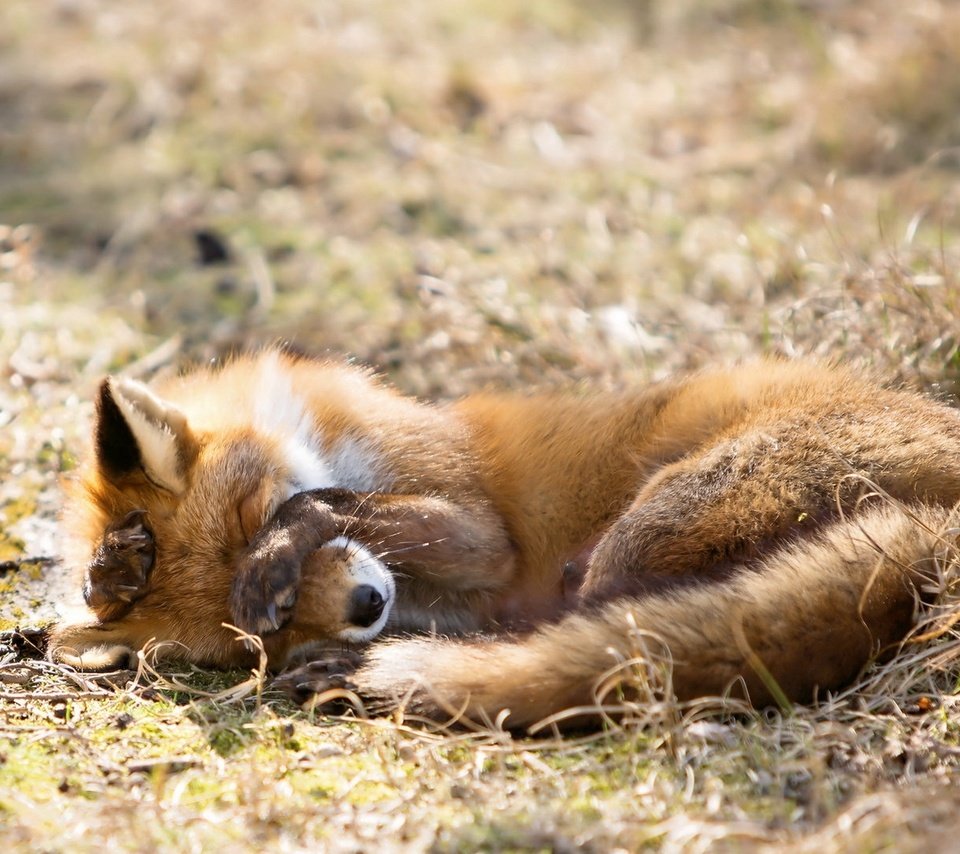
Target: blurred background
{"points": [[476, 190], [469, 193]]}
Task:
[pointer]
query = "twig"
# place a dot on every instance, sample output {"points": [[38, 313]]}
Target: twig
{"points": [[266, 288], [45, 730], [172, 764], [156, 358], [42, 560], [56, 698]]}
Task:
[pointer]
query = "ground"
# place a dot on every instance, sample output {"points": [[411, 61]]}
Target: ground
{"points": [[464, 194]]}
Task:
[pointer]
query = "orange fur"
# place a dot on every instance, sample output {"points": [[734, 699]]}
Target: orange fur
{"points": [[733, 513]]}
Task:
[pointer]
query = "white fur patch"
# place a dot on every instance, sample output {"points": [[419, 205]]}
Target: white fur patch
{"points": [[157, 442], [308, 469], [402, 659], [280, 412], [364, 568], [355, 466]]}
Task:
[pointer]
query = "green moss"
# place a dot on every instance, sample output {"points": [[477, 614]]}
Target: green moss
{"points": [[226, 741], [12, 511]]}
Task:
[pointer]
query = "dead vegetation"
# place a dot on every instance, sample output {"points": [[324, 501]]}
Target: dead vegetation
{"points": [[465, 194]]}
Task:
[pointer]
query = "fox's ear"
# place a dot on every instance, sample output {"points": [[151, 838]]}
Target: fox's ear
{"points": [[137, 430]]}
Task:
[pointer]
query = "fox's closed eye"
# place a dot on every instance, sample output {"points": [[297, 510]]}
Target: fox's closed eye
{"points": [[251, 512]]}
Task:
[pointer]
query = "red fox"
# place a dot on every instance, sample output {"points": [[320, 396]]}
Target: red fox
{"points": [[775, 526]]}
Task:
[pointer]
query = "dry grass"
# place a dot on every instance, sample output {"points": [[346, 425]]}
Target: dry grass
{"points": [[465, 193]]}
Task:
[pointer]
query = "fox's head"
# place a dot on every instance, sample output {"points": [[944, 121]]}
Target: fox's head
{"points": [[167, 503]]}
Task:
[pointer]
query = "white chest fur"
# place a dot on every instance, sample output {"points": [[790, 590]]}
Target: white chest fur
{"points": [[348, 463]]}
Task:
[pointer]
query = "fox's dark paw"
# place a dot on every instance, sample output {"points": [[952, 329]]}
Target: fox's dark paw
{"points": [[119, 572], [268, 573], [311, 681], [265, 587], [339, 502]]}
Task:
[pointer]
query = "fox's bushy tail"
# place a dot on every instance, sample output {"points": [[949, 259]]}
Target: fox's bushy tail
{"points": [[807, 619]]}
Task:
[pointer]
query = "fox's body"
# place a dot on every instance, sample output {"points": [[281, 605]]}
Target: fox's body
{"points": [[756, 519]]}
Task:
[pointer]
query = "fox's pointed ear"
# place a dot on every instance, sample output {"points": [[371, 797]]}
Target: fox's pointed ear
{"points": [[137, 430]]}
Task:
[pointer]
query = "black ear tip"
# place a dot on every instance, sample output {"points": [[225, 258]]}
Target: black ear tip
{"points": [[117, 449], [104, 398], [106, 387]]}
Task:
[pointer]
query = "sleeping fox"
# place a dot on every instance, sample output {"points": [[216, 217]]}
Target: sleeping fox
{"points": [[774, 526]]}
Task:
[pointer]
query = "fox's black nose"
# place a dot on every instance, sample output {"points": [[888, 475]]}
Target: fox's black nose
{"points": [[366, 606]]}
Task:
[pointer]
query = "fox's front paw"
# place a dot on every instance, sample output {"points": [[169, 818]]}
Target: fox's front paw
{"points": [[268, 573], [119, 572], [309, 683], [265, 587]]}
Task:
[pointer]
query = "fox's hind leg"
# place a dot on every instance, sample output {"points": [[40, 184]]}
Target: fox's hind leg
{"points": [[703, 517]]}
